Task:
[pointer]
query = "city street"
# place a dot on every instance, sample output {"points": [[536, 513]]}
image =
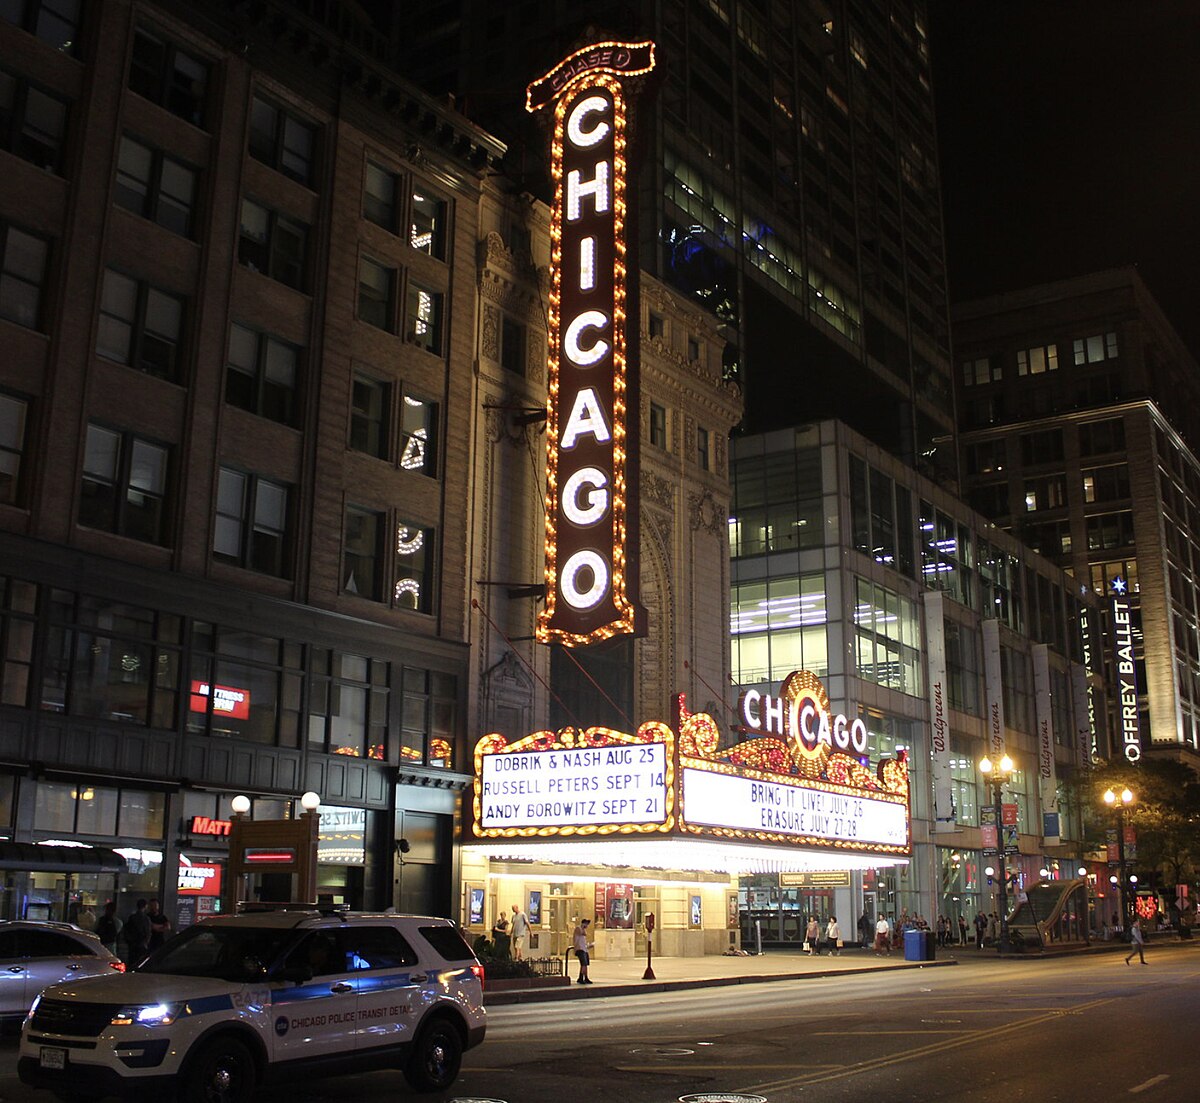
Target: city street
{"points": [[984, 1030]]}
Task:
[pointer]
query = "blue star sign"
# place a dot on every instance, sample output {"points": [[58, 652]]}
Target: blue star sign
{"points": [[1119, 585]]}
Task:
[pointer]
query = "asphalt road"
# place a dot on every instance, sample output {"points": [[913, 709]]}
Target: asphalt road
{"points": [[1068, 1029]]}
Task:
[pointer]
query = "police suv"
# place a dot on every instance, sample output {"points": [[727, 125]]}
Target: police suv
{"points": [[239, 1000]]}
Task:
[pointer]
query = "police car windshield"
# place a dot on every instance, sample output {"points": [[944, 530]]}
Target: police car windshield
{"points": [[225, 953]]}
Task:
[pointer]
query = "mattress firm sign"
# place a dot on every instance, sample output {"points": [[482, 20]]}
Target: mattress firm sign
{"points": [[591, 569], [574, 787], [726, 800]]}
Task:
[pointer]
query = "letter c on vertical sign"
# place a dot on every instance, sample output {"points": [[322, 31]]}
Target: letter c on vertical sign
{"points": [[581, 138]]}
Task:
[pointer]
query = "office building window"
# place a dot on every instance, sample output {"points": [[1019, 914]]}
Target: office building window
{"points": [[377, 294], [1103, 484], [252, 523], [23, 259], [887, 635], [362, 554], [1037, 360], [977, 372], [140, 326], [1098, 347], [380, 189], [155, 186], [1046, 493], [261, 375], [414, 567], [370, 403], [14, 416], [1042, 447], [169, 76], [423, 318], [702, 448], [33, 123], [348, 704], [273, 244], [53, 21], [986, 457], [124, 485], [428, 230], [1097, 438], [1110, 530], [658, 327], [512, 345], [418, 435], [245, 686], [279, 139], [658, 425], [427, 717]]}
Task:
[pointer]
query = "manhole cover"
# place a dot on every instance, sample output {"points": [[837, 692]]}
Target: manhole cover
{"points": [[722, 1097]]}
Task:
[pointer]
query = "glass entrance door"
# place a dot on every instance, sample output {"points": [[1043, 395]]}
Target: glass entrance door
{"points": [[565, 912]]}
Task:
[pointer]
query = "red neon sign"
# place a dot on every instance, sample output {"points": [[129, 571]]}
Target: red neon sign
{"points": [[226, 700], [202, 825], [282, 856]]}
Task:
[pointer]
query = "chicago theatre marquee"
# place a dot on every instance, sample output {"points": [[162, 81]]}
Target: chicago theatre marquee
{"points": [[616, 824], [615, 821]]}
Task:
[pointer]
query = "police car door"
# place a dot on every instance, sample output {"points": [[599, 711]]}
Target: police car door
{"points": [[388, 983], [316, 1017]]}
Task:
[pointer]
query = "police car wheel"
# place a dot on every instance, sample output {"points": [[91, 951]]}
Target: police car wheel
{"points": [[435, 1059], [222, 1071]]}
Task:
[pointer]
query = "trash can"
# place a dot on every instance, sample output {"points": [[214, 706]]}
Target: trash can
{"points": [[919, 946]]}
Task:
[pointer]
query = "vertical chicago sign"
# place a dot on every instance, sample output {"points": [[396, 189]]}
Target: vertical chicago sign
{"points": [[591, 569]]}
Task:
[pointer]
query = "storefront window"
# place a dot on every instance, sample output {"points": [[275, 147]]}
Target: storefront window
{"points": [[143, 814], [96, 810], [55, 807]]}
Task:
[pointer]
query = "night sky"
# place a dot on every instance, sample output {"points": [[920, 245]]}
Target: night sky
{"points": [[1069, 137]]}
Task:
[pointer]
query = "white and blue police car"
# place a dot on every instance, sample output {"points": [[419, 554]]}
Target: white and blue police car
{"points": [[242, 1000]]}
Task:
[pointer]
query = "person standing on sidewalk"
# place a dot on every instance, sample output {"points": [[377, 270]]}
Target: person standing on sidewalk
{"points": [[962, 930], [883, 937], [1139, 942], [980, 927], [865, 930], [833, 936], [519, 932], [579, 939]]}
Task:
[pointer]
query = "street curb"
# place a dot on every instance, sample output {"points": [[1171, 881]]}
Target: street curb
{"points": [[596, 991]]}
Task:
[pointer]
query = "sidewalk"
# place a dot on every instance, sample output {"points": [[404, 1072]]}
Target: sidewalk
{"points": [[623, 977]]}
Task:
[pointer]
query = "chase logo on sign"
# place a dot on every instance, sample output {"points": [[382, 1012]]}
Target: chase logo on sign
{"points": [[281, 1025]]}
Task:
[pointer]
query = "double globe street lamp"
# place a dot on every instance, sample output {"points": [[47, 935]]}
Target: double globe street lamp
{"points": [[995, 774], [1118, 802]]}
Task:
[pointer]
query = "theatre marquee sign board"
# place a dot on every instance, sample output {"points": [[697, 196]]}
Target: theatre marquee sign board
{"points": [[792, 787]]}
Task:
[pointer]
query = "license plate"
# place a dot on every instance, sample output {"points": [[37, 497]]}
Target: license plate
{"points": [[51, 1058]]}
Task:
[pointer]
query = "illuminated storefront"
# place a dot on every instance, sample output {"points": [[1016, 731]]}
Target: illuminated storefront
{"points": [[610, 825]]}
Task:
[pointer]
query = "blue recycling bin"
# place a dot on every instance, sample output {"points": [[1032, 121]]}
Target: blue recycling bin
{"points": [[919, 946]]}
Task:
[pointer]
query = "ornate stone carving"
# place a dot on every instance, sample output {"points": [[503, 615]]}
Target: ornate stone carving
{"points": [[491, 332], [657, 490], [705, 514], [535, 356]]}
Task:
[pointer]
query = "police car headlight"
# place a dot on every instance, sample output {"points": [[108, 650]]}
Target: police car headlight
{"points": [[33, 1006], [147, 1014]]}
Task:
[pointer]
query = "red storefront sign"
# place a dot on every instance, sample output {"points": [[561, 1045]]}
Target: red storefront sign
{"points": [[226, 700], [198, 878], [202, 825]]}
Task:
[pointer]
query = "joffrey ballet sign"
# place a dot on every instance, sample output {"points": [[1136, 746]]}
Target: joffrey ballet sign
{"points": [[590, 570]]}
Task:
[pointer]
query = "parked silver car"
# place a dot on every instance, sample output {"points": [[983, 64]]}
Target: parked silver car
{"points": [[34, 954]]}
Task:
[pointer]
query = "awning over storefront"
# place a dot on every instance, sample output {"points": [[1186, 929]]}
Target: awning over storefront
{"points": [[35, 858], [682, 854]]}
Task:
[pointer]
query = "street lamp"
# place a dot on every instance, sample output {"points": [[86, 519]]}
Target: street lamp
{"points": [[996, 774], [1118, 802]]}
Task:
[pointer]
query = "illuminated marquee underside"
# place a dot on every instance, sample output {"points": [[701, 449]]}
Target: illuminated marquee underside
{"points": [[683, 854], [590, 575], [820, 809]]}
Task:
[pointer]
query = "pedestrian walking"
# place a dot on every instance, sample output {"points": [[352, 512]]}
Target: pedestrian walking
{"points": [[583, 950], [866, 930], [833, 936], [980, 928], [812, 935], [962, 930], [1139, 942]]}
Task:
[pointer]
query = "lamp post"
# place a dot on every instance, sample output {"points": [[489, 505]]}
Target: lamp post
{"points": [[1118, 802], [996, 774]]}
